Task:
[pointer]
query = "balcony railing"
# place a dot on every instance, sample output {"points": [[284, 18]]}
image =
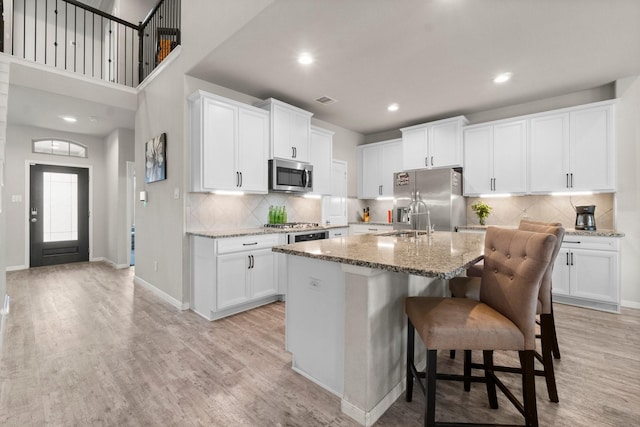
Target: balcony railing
{"points": [[75, 37]]}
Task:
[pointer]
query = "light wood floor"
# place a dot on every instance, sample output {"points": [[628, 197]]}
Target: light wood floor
{"points": [[84, 346]]}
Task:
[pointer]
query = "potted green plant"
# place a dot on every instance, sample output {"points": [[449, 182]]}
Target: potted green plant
{"points": [[482, 210]]}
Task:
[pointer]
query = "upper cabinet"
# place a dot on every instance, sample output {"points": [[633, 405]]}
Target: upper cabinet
{"points": [[495, 158], [290, 130], [229, 145], [321, 150], [433, 145], [377, 164], [573, 150]]}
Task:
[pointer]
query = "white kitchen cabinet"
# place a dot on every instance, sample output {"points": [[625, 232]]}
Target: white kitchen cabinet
{"points": [[338, 232], [587, 272], [363, 228], [377, 164], [334, 207], [572, 150], [321, 156], [495, 158], [229, 145], [433, 145], [230, 275], [290, 130]]}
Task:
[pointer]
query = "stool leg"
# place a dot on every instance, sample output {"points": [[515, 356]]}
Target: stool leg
{"points": [[546, 338], [529, 388], [410, 352], [554, 337], [430, 394], [487, 356], [467, 370]]}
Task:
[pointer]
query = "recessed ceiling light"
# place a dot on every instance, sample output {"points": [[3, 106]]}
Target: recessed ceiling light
{"points": [[69, 119], [393, 107], [305, 58], [501, 78]]}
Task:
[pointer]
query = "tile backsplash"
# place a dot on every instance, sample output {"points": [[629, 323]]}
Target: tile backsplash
{"points": [[510, 210], [211, 211]]}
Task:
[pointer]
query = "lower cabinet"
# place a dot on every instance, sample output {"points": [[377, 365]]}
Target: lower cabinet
{"points": [[338, 232], [231, 275], [587, 272]]}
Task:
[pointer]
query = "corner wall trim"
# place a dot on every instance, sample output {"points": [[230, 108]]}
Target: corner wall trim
{"points": [[16, 267], [160, 294], [630, 304]]}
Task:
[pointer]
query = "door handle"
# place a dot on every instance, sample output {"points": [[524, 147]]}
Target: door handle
{"points": [[571, 258], [567, 178], [380, 190], [34, 219], [571, 179], [426, 161], [431, 160], [240, 179], [567, 258]]}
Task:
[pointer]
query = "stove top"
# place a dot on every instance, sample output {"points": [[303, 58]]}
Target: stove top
{"points": [[293, 225]]}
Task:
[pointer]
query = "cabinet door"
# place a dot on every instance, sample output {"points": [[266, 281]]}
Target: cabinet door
{"points": [[263, 282], [391, 157], [300, 136], [282, 119], [510, 157], [414, 149], [549, 153], [595, 275], [218, 145], [561, 273], [592, 153], [370, 172], [334, 208], [445, 145], [231, 279], [321, 153], [478, 160], [253, 146]]}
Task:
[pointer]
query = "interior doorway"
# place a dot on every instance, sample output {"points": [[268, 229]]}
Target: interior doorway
{"points": [[58, 215]]}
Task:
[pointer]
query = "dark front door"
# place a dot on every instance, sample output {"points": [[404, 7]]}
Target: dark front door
{"points": [[59, 215]]}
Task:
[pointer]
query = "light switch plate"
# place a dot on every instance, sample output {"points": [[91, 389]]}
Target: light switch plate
{"points": [[176, 193]]}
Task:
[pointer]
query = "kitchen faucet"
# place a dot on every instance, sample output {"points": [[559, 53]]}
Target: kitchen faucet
{"points": [[418, 207]]}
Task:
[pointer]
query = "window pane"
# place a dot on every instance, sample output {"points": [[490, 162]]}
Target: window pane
{"points": [[76, 150], [42, 147], [60, 205], [60, 147]]}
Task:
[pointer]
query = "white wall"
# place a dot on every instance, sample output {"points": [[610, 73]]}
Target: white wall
{"points": [[628, 179], [18, 151], [119, 148], [4, 101]]}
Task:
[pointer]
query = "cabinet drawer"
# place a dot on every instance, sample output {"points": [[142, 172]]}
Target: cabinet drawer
{"points": [[248, 243], [591, 242]]}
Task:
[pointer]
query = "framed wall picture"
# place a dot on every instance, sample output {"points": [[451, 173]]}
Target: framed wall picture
{"points": [[155, 159]]}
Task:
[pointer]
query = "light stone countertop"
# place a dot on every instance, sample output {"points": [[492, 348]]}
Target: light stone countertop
{"points": [[241, 232], [442, 255], [567, 231]]}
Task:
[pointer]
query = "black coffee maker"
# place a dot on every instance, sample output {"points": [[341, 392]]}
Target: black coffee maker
{"points": [[584, 218]]}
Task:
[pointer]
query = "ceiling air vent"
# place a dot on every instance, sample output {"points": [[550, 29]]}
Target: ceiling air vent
{"points": [[325, 100]]}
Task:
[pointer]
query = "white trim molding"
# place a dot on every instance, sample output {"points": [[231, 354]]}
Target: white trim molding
{"points": [[161, 294]]}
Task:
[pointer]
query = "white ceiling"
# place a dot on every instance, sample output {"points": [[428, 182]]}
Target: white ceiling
{"points": [[436, 58]]}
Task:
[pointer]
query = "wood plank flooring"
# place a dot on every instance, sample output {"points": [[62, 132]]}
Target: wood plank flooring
{"points": [[84, 346]]}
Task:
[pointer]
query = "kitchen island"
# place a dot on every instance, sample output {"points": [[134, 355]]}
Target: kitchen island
{"points": [[345, 321]]}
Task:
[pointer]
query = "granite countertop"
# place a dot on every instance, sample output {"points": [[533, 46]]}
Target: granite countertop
{"points": [[567, 231], [442, 255], [241, 232]]}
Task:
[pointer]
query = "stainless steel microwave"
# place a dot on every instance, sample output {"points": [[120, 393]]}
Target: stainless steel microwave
{"points": [[290, 177]]}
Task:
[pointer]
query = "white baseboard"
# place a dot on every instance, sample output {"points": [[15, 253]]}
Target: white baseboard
{"points": [[16, 267], [161, 294], [369, 418], [4, 312], [114, 265], [630, 304]]}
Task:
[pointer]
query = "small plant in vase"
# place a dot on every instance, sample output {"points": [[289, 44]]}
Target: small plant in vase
{"points": [[482, 210]]}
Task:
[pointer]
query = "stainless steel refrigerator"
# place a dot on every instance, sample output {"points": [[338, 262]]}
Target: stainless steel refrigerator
{"points": [[441, 192]]}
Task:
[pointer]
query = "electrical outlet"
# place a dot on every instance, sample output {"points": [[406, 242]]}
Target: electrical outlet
{"points": [[155, 265]]}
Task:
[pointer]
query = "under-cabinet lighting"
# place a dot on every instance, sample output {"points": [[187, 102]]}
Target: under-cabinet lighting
{"points": [[69, 119], [572, 193], [312, 196], [386, 245], [494, 196], [384, 198], [229, 193]]}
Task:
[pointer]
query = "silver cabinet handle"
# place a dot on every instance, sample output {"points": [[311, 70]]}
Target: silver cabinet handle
{"points": [[380, 189], [426, 161], [431, 160]]}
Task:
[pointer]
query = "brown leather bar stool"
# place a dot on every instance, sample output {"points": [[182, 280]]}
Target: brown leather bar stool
{"points": [[503, 319], [469, 287]]}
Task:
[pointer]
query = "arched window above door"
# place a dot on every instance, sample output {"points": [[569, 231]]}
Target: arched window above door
{"points": [[59, 147]]}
